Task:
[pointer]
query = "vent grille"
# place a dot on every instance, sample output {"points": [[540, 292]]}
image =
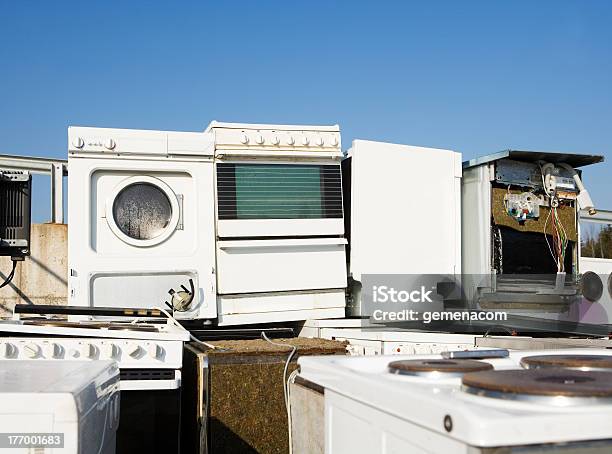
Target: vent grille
{"points": [[15, 189], [278, 191], [146, 374]]}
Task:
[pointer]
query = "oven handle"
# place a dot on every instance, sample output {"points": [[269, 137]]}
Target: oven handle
{"points": [[235, 244]]}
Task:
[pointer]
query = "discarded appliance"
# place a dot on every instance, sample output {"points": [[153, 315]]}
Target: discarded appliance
{"points": [[478, 401], [520, 249], [69, 407], [149, 353], [365, 338], [233, 395], [403, 214], [242, 223], [596, 266], [15, 217]]}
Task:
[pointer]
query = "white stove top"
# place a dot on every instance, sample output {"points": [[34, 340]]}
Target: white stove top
{"points": [[166, 331], [429, 400]]}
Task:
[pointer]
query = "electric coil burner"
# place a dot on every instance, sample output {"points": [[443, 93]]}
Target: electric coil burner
{"points": [[552, 386], [496, 407], [578, 362], [437, 367]]}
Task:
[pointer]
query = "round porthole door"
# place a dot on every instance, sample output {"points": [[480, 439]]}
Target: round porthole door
{"points": [[142, 211]]}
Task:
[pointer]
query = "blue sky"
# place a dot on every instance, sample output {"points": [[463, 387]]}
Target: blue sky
{"points": [[472, 76]]}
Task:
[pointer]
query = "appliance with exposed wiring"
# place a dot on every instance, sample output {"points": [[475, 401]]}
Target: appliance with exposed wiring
{"points": [[470, 402], [69, 407], [149, 353], [520, 247], [238, 224]]}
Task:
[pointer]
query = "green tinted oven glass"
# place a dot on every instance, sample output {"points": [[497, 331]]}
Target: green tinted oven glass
{"points": [[278, 191]]}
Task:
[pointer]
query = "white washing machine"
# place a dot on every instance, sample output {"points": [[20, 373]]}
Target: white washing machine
{"points": [[141, 218]]}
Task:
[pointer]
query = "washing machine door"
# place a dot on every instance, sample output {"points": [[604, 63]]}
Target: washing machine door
{"points": [[143, 211]]}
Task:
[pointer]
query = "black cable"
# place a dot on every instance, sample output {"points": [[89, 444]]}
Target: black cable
{"points": [[11, 275]]}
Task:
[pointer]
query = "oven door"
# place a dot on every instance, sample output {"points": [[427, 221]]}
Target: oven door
{"points": [[280, 227]]}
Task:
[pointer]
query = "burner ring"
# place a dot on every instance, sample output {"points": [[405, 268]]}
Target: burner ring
{"points": [[437, 367], [574, 362], [552, 386]]}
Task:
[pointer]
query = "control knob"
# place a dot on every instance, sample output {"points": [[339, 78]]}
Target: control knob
{"points": [[134, 350], [109, 351], [109, 144], [155, 351], [31, 350], [52, 350], [87, 350], [7, 350]]}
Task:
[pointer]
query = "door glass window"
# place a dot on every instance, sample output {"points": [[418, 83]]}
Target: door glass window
{"points": [[142, 211], [278, 191]]}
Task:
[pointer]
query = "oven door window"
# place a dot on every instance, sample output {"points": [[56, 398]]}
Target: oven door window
{"points": [[278, 191], [142, 211]]}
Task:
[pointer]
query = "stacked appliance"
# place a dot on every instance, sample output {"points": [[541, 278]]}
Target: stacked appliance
{"points": [[403, 213], [596, 266], [488, 401], [520, 250], [68, 407], [149, 354], [246, 219]]}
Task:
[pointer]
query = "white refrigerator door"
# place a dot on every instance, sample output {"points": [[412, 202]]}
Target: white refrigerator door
{"points": [[405, 210]]}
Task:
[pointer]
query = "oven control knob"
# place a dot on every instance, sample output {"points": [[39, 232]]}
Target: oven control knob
{"points": [[244, 139], [155, 351], [7, 350], [31, 350], [52, 350], [305, 141], [275, 140], [74, 353], [291, 140], [259, 139], [134, 350], [109, 144], [334, 142], [319, 142], [88, 350], [78, 142], [109, 351]]}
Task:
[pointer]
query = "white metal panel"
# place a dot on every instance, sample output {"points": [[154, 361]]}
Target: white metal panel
{"points": [[351, 427], [94, 249], [235, 228], [84, 140], [405, 210], [232, 138], [280, 265], [476, 221]]}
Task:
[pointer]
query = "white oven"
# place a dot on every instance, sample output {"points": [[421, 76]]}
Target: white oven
{"points": [[280, 246]]}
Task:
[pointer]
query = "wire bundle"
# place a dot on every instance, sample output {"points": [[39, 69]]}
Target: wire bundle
{"points": [[559, 236]]}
